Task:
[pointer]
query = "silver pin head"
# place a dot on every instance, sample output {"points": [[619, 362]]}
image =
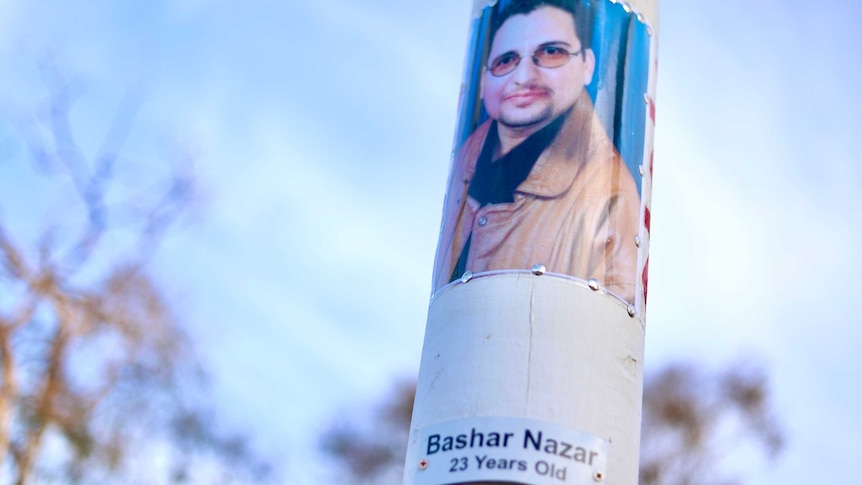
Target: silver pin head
{"points": [[467, 276], [593, 284], [638, 241], [538, 269], [631, 310], [423, 464]]}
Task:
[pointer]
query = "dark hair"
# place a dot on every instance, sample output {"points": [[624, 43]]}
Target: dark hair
{"points": [[578, 8]]}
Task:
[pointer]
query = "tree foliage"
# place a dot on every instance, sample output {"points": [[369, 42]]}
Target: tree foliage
{"points": [[692, 420], [98, 377], [374, 454]]}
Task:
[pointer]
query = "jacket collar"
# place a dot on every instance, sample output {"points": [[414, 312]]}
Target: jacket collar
{"points": [[557, 167]]}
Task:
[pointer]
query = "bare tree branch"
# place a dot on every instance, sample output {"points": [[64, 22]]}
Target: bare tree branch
{"points": [[90, 347]]}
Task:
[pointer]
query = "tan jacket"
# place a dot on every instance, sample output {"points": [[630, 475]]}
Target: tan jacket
{"points": [[576, 213]]}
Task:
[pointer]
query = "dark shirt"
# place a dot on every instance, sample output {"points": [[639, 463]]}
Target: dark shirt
{"points": [[495, 181]]}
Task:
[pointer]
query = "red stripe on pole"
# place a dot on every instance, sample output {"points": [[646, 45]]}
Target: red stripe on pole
{"points": [[646, 218], [644, 278]]}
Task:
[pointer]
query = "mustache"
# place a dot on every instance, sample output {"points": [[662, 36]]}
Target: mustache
{"points": [[531, 90]]}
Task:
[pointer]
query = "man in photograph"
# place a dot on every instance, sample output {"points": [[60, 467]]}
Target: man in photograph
{"points": [[539, 182]]}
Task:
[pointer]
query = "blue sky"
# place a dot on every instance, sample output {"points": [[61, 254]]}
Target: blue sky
{"points": [[324, 131]]}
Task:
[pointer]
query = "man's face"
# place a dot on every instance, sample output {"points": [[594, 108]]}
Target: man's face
{"points": [[531, 96]]}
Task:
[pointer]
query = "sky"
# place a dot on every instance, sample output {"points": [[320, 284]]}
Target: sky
{"points": [[323, 132]]}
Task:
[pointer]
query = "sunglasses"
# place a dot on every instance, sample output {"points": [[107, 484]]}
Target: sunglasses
{"points": [[549, 57]]}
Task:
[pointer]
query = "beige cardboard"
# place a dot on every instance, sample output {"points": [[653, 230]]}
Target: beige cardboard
{"points": [[535, 347]]}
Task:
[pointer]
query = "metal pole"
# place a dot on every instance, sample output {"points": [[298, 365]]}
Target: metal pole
{"points": [[532, 367]]}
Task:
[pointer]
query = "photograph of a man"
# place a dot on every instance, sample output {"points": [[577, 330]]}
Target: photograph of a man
{"points": [[539, 182]]}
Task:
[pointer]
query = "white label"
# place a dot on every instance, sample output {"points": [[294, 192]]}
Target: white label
{"points": [[510, 449]]}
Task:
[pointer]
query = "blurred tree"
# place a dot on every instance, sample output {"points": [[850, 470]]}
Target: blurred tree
{"points": [[98, 379], [692, 420], [374, 454]]}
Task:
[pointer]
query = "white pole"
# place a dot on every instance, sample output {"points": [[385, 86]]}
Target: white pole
{"points": [[533, 374]]}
